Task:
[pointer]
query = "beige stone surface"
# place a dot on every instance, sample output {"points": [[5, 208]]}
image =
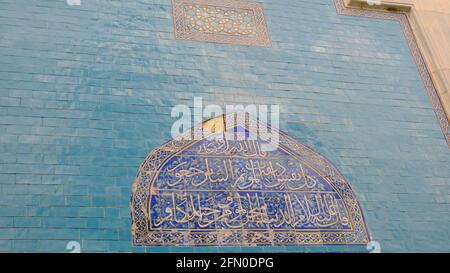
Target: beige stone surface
{"points": [[381, 4], [430, 21]]}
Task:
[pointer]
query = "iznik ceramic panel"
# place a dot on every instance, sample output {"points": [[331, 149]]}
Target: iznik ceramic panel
{"points": [[221, 21], [232, 192]]}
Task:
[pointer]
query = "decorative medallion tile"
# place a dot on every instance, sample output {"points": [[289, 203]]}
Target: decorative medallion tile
{"points": [[221, 21]]}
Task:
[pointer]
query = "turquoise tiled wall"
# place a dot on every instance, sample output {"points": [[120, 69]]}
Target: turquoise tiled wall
{"points": [[86, 93]]}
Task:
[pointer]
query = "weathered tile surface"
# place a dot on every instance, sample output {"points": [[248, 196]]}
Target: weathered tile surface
{"points": [[86, 93]]}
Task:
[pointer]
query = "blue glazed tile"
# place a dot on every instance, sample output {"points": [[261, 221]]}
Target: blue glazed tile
{"points": [[77, 119]]}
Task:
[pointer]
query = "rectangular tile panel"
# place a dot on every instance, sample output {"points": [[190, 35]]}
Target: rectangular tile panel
{"points": [[220, 21]]}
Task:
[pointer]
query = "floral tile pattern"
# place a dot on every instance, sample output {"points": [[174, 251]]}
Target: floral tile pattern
{"points": [[220, 21]]}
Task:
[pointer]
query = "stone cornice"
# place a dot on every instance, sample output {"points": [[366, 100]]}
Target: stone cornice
{"points": [[391, 5]]}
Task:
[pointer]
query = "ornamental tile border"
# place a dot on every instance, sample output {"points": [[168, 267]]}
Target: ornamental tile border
{"points": [[416, 54], [220, 21]]}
